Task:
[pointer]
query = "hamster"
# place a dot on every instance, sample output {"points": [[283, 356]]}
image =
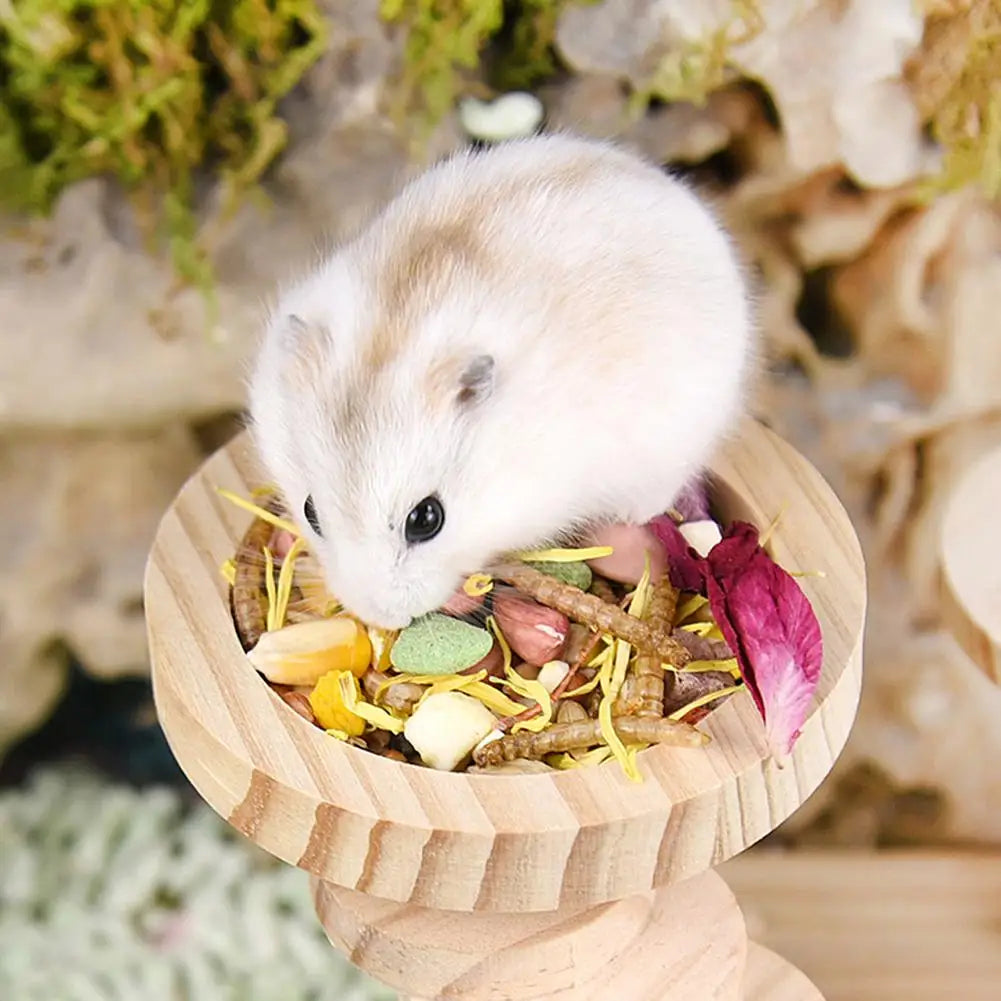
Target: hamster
{"points": [[528, 340]]}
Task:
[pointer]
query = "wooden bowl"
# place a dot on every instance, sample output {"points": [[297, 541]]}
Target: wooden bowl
{"points": [[369, 828]]}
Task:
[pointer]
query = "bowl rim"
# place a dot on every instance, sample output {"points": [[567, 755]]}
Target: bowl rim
{"points": [[465, 841]]}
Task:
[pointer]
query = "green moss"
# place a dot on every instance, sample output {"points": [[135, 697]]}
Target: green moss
{"points": [[693, 71], [448, 39], [444, 37], [967, 121], [526, 55], [149, 91]]}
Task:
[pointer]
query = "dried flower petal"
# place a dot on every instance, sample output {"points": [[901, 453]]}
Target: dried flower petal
{"points": [[329, 707], [771, 627], [692, 503], [765, 618], [684, 563]]}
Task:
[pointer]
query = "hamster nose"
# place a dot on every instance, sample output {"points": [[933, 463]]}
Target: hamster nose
{"points": [[392, 623], [381, 618]]}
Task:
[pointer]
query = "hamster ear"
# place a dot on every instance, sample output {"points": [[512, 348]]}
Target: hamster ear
{"points": [[293, 331], [477, 379], [301, 344]]}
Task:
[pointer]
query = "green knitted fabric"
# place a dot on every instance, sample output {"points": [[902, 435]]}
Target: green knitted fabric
{"points": [[109, 894]]}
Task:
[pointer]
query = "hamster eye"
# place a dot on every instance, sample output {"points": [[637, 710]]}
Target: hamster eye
{"points": [[425, 521], [309, 510]]}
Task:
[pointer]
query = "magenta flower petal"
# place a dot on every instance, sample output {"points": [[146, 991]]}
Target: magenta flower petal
{"points": [[765, 618], [687, 568], [772, 629], [692, 502], [724, 619], [782, 643]]}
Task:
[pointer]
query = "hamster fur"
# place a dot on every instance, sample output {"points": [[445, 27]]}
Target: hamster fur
{"points": [[544, 335]]}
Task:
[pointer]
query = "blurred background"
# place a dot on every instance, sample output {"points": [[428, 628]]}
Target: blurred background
{"points": [[164, 165]]}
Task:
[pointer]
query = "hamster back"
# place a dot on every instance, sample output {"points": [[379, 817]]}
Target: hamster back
{"points": [[525, 341]]}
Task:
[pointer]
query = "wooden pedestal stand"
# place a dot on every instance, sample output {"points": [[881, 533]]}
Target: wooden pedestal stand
{"points": [[563, 887], [971, 564]]}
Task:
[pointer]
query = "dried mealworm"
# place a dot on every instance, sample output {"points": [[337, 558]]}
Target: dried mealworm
{"points": [[629, 701], [592, 611], [649, 673], [249, 606], [583, 734]]}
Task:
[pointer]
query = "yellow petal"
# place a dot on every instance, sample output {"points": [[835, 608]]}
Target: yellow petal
{"points": [[564, 555], [770, 530], [689, 606], [494, 699], [477, 584], [501, 642], [259, 511], [353, 702], [538, 693], [327, 700], [695, 666], [452, 683], [614, 741], [584, 759], [699, 628], [269, 583], [284, 591]]}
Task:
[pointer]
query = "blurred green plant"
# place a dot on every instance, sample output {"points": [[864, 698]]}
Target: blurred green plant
{"points": [[526, 55], [444, 38], [957, 84], [691, 72], [149, 91]]}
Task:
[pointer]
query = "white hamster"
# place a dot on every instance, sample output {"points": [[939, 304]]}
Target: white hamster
{"points": [[529, 339]]}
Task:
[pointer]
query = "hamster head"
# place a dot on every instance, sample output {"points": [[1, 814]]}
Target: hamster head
{"points": [[378, 458]]}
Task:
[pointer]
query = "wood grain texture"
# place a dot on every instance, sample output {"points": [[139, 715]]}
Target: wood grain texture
{"points": [[885, 926], [769, 977], [493, 843], [685, 942], [971, 565], [690, 935]]}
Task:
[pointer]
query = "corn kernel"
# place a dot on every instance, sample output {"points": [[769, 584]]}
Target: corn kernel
{"points": [[301, 653]]}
